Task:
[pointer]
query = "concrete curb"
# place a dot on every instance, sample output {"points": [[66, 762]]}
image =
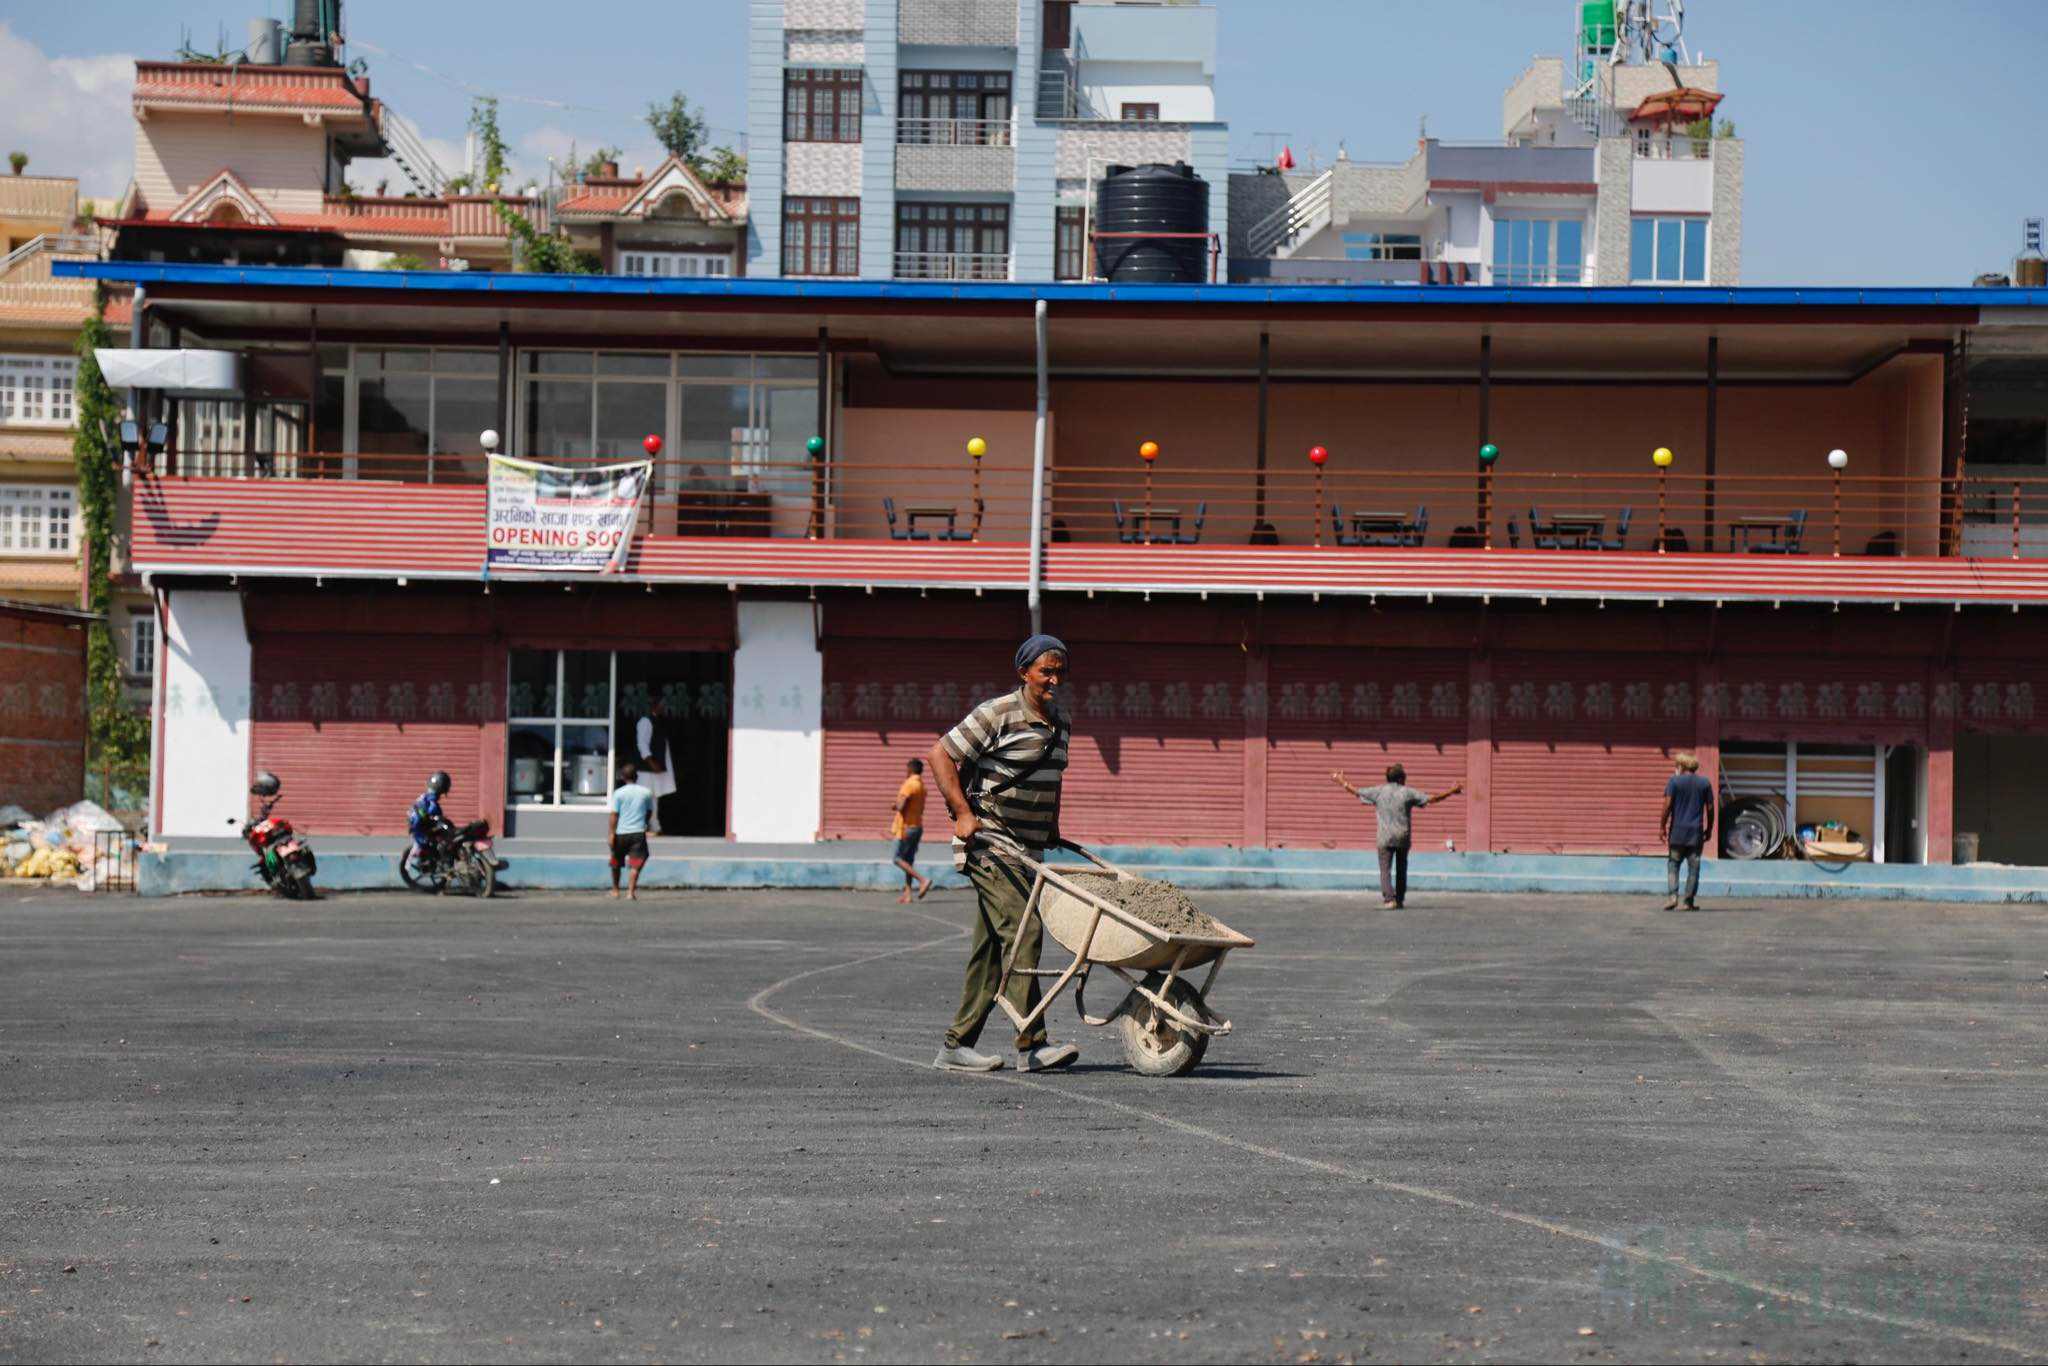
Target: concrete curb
{"points": [[1215, 869]]}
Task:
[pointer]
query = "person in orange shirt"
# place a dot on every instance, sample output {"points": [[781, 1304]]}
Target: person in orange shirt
{"points": [[908, 829]]}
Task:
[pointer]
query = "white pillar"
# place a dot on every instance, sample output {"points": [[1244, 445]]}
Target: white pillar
{"points": [[778, 743], [204, 725]]}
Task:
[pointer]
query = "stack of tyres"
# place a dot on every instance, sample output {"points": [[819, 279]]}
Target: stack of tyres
{"points": [[1152, 199]]}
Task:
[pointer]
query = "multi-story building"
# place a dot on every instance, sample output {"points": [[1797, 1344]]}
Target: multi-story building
{"points": [[1372, 530], [962, 139], [42, 538], [670, 225], [1609, 172], [247, 162]]}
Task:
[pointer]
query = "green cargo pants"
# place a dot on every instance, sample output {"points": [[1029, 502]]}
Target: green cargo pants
{"points": [[1003, 888]]}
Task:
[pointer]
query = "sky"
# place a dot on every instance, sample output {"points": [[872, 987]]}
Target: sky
{"points": [[1887, 143]]}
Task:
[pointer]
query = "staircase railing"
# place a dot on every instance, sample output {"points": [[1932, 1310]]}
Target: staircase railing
{"points": [[50, 244], [403, 145], [1304, 212]]}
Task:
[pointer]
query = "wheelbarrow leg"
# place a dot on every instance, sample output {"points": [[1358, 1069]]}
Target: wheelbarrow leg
{"points": [[1049, 995]]}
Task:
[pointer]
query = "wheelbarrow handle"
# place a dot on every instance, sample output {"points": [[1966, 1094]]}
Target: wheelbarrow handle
{"points": [[1010, 846]]}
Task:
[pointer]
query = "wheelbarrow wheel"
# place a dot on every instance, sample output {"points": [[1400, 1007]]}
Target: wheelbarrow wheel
{"points": [[1154, 1043]]}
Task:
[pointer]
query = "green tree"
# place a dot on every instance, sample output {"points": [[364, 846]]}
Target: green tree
{"points": [[18, 160], [483, 121], [594, 163], [722, 166], [679, 128], [543, 253], [117, 734]]}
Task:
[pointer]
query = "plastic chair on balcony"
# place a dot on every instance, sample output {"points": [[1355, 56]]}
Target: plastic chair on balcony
{"points": [[1537, 536], [1337, 526], [1130, 536], [1620, 541], [904, 534], [973, 530], [1417, 529], [1514, 536], [1190, 537], [1788, 544]]}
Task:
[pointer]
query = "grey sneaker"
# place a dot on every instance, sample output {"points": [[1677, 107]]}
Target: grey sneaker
{"points": [[1047, 1057], [966, 1060]]}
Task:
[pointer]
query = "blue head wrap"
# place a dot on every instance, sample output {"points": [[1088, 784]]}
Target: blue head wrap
{"points": [[1036, 646]]}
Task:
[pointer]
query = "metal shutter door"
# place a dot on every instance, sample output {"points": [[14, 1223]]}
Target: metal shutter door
{"points": [[1824, 696], [353, 725], [1157, 755], [1582, 748], [1357, 711], [886, 701]]}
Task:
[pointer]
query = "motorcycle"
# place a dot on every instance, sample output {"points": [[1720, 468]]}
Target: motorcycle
{"points": [[283, 860], [454, 858]]}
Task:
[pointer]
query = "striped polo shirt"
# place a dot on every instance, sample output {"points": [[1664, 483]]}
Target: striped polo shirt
{"points": [[1000, 739]]}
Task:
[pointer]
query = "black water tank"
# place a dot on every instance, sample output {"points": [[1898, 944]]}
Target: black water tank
{"points": [[1152, 199]]}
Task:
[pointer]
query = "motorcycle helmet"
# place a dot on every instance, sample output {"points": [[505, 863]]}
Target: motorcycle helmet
{"points": [[266, 783], [438, 784]]}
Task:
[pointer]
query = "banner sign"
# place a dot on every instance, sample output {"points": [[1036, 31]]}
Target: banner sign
{"points": [[551, 517]]}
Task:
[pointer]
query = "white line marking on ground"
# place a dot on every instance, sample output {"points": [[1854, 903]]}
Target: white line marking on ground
{"points": [[758, 1003]]}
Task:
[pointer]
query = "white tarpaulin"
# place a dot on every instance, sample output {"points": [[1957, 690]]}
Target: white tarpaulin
{"points": [[551, 517], [180, 372]]}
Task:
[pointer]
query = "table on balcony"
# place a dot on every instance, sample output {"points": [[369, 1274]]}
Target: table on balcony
{"points": [[1382, 527], [934, 512], [1142, 531], [712, 511], [1745, 529], [1571, 530]]}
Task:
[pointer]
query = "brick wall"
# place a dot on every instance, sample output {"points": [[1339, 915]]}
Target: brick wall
{"points": [[955, 23], [840, 14], [822, 168], [1125, 144], [42, 726], [824, 47], [980, 169], [1724, 256]]}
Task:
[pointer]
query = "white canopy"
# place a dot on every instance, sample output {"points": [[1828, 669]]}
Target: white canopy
{"points": [[180, 373]]}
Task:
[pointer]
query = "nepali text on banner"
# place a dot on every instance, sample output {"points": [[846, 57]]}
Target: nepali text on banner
{"points": [[552, 517]]}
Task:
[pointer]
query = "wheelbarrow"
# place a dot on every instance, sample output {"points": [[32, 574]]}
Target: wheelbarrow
{"points": [[1167, 1022]]}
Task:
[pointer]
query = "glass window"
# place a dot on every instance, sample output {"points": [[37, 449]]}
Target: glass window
{"points": [[558, 414], [627, 413], [559, 362], [141, 645], [713, 367], [1570, 253], [820, 236], [680, 265], [1695, 265], [632, 363], [36, 519], [37, 390], [821, 104], [1070, 243], [1668, 250], [785, 367], [394, 416], [559, 727]]}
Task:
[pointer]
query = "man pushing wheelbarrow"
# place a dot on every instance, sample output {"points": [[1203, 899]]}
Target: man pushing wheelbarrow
{"points": [[999, 771]]}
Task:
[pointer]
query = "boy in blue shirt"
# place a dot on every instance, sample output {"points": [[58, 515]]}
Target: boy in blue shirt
{"points": [[631, 806], [425, 821], [1687, 822]]}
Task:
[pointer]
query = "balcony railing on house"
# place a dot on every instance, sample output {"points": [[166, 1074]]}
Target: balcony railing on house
{"points": [[952, 265], [954, 132], [953, 499], [1678, 147]]}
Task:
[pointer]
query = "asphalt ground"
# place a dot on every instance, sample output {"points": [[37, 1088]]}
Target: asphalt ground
{"points": [[701, 1128]]}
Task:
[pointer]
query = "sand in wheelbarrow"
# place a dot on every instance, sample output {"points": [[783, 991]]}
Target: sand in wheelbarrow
{"points": [[1160, 904]]}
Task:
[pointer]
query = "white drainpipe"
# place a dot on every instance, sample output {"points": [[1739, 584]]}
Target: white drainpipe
{"points": [[1038, 481]]}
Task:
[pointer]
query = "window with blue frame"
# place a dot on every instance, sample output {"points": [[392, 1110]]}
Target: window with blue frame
{"points": [[1538, 251], [1669, 251]]}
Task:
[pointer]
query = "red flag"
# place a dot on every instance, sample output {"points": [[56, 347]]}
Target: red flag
{"points": [[1286, 161]]}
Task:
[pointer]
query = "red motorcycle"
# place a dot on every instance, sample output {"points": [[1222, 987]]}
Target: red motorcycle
{"points": [[283, 860]]}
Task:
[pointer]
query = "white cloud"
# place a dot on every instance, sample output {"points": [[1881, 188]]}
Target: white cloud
{"points": [[71, 115]]}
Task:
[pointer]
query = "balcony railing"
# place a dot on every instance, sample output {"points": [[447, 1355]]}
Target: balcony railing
{"points": [[953, 132], [942, 499], [952, 265], [1676, 148]]}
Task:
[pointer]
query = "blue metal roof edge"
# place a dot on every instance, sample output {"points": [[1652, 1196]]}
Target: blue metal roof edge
{"points": [[438, 281]]}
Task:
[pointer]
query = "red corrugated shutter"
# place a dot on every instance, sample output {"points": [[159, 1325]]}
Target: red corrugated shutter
{"points": [[1357, 711], [1823, 697], [1158, 750], [1157, 754], [1582, 748], [2006, 696], [353, 725]]}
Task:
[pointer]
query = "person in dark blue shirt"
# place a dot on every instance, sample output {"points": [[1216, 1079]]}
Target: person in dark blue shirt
{"points": [[425, 820], [1687, 822]]}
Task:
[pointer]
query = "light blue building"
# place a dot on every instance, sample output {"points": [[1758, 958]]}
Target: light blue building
{"points": [[962, 139]]}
